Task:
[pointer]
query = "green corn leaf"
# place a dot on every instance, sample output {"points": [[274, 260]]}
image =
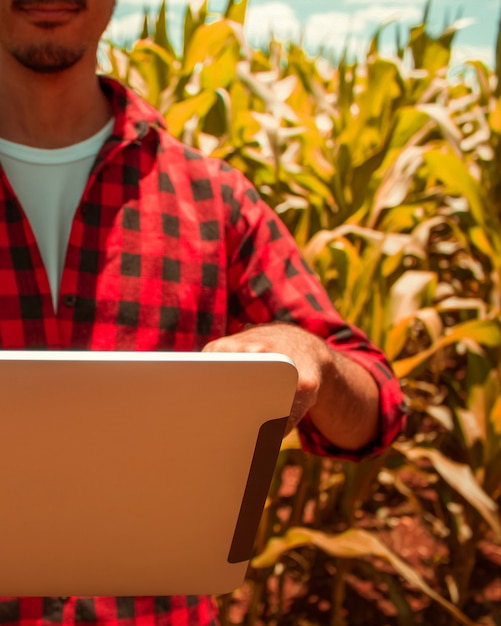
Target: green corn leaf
{"points": [[414, 290], [374, 44], [209, 42], [351, 544], [237, 10], [116, 67], [417, 43], [493, 452], [498, 61], [426, 12], [161, 38], [192, 21], [496, 417], [154, 64], [145, 32], [376, 323], [461, 478], [182, 112], [222, 72], [484, 332], [449, 168], [399, 333], [483, 74]]}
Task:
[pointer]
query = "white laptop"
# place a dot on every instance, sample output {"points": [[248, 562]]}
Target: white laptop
{"points": [[135, 473]]}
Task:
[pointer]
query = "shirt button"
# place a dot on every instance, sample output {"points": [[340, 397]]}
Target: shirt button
{"points": [[70, 300]]}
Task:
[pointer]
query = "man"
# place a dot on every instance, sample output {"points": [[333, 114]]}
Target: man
{"points": [[113, 236]]}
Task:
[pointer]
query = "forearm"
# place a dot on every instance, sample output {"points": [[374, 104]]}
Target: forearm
{"points": [[339, 395], [346, 411]]}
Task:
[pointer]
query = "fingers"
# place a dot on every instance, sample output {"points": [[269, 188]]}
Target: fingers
{"points": [[235, 343], [299, 345], [304, 400]]}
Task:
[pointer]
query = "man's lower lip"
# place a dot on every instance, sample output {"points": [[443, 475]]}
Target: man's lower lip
{"points": [[49, 15]]}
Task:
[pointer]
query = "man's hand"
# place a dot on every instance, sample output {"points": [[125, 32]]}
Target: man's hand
{"points": [[339, 395], [306, 350]]}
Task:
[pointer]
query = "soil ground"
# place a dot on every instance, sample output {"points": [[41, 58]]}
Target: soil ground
{"points": [[374, 599]]}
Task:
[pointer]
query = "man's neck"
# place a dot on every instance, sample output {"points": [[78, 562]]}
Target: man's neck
{"points": [[51, 111]]}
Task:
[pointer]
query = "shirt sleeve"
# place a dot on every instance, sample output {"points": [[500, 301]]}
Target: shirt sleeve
{"points": [[268, 281]]}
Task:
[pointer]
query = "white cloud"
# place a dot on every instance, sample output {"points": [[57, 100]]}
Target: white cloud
{"points": [[334, 30], [462, 53], [353, 24], [328, 30], [154, 5], [140, 5], [125, 29], [397, 3], [379, 13], [335, 23], [275, 18]]}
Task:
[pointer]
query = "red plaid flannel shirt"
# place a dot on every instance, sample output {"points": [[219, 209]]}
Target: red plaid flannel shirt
{"points": [[168, 250]]}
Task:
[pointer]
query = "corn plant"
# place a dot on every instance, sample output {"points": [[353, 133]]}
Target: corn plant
{"points": [[386, 171]]}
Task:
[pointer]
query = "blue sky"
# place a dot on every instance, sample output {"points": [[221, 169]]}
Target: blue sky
{"points": [[332, 22]]}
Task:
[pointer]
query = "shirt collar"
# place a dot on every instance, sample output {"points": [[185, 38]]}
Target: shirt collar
{"points": [[134, 117]]}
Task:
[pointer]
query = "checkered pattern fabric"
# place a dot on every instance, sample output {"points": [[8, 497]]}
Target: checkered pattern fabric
{"points": [[168, 250], [124, 611]]}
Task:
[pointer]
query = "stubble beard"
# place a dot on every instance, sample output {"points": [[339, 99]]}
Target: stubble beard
{"points": [[47, 58]]}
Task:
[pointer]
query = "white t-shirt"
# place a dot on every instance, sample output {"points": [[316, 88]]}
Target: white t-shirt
{"points": [[49, 185]]}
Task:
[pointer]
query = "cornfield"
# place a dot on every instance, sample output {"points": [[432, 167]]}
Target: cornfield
{"points": [[387, 172]]}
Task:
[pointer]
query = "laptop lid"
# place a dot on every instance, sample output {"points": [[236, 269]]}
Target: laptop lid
{"points": [[135, 473]]}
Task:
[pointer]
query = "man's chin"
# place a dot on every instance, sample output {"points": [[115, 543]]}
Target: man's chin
{"points": [[47, 59]]}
